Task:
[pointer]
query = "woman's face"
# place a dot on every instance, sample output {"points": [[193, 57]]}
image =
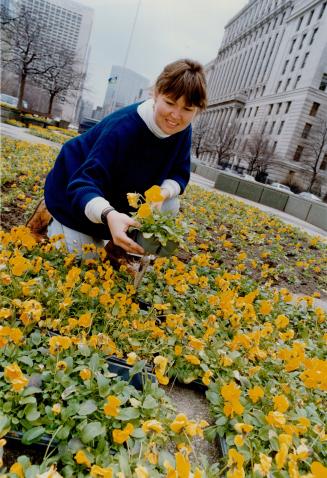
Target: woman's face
{"points": [[172, 116]]}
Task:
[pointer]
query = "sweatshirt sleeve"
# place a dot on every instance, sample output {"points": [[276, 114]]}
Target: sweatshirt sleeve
{"points": [[93, 178]]}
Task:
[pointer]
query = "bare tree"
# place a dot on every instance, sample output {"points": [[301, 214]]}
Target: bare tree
{"points": [[201, 136], [23, 51], [258, 152], [64, 76], [222, 142], [314, 150]]}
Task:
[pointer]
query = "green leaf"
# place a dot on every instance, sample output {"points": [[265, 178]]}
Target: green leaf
{"points": [[115, 309], [6, 407], [138, 367], [87, 407], [210, 433], [124, 462], [213, 397], [138, 433], [84, 350], [31, 412], [26, 360], [91, 431], [222, 420], [32, 435], [103, 385], [30, 391], [68, 391], [4, 425], [149, 403], [63, 433], [128, 413], [94, 362]]}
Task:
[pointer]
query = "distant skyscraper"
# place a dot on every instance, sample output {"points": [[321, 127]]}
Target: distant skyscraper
{"points": [[65, 24], [124, 87], [270, 78]]}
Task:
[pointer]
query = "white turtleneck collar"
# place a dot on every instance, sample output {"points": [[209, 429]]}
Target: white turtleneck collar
{"points": [[145, 110]]}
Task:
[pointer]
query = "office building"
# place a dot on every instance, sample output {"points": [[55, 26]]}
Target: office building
{"points": [[124, 87], [65, 24], [270, 78]]}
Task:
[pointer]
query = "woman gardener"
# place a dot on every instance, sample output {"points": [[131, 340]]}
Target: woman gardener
{"points": [[130, 150]]}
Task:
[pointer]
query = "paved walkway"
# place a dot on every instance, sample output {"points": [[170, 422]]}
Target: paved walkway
{"points": [[24, 135], [294, 221]]}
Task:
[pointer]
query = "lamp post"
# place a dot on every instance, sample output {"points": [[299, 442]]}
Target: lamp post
{"points": [[119, 79]]}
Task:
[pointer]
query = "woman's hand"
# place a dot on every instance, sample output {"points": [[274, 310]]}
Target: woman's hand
{"points": [[165, 195], [118, 224]]}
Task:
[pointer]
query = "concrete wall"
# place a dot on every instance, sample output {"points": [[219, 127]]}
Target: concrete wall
{"points": [[311, 211]]}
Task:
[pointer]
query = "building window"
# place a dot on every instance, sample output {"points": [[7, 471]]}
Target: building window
{"points": [[323, 165], [278, 108], [285, 66], [314, 33], [272, 127], [282, 18], [292, 45], [323, 8], [306, 130], [250, 111], [256, 110], [270, 109], [250, 128], [280, 127], [278, 86], [296, 83], [310, 17], [274, 146], [294, 63], [287, 83], [323, 83], [298, 153], [302, 40], [314, 109], [264, 127], [304, 60], [263, 90], [288, 105], [299, 24]]}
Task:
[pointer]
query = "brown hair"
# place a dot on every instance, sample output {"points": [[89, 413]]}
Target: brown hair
{"points": [[184, 78]]}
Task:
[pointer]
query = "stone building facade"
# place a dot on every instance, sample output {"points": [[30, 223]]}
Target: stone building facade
{"points": [[270, 78]]}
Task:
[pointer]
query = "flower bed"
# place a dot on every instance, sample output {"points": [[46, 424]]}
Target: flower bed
{"points": [[215, 315], [49, 134]]}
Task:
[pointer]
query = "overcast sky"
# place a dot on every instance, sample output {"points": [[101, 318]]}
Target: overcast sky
{"points": [[165, 30]]}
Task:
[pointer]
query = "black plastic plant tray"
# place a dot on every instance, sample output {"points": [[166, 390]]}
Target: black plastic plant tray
{"points": [[222, 446], [15, 438], [122, 369]]}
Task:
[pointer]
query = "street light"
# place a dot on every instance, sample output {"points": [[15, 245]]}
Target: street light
{"points": [[126, 54]]}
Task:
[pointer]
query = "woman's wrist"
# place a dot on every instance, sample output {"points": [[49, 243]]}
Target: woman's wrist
{"points": [[104, 215]]}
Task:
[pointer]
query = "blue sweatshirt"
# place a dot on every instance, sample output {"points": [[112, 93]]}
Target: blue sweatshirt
{"points": [[117, 156]]}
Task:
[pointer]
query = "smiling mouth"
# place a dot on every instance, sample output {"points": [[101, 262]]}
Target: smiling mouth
{"points": [[172, 124]]}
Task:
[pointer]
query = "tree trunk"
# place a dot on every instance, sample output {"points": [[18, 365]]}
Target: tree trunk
{"points": [[312, 181], [51, 99], [22, 83]]}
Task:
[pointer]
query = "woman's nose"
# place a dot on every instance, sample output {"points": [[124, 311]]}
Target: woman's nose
{"points": [[175, 113]]}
